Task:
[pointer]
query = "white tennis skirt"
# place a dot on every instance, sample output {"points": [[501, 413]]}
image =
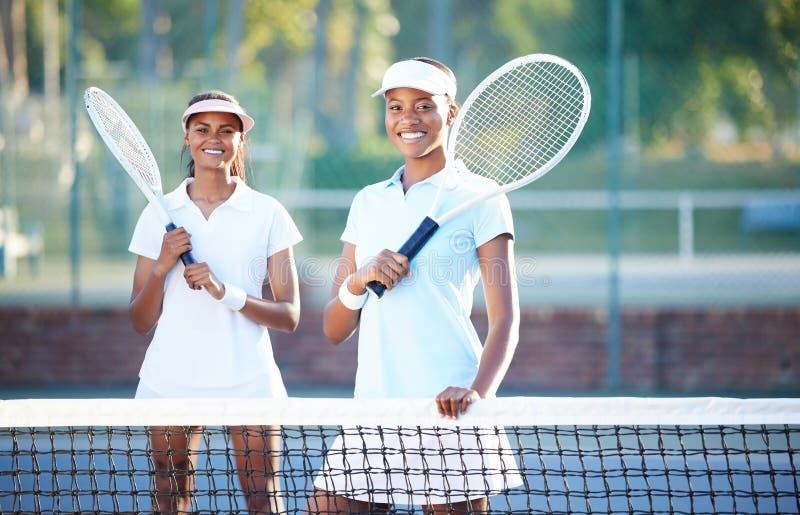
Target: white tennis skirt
{"points": [[260, 387], [419, 466]]}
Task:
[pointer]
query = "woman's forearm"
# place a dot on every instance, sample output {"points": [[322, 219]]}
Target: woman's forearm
{"points": [[338, 322], [282, 311], [146, 303], [283, 315], [502, 309], [498, 350]]}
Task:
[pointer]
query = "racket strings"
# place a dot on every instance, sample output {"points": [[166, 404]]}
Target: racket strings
{"points": [[569, 100], [540, 136], [521, 122], [125, 140]]}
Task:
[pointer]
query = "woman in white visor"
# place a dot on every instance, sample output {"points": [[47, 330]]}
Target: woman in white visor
{"points": [[418, 340]]}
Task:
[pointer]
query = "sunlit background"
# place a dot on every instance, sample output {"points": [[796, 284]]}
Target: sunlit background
{"points": [[675, 218]]}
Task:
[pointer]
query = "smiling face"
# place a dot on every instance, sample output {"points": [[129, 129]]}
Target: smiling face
{"points": [[416, 122], [214, 140]]}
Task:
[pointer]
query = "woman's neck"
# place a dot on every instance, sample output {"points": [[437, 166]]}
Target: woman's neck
{"points": [[211, 187], [420, 169]]}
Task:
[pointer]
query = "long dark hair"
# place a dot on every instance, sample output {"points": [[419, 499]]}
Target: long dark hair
{"points": [[238, 166]]}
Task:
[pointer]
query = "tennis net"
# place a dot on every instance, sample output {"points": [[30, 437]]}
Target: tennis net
{"points": [[526, 454]]}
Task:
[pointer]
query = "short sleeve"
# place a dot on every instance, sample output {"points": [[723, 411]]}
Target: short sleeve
{"points": [[147, 235], [283, 233], [350, 234], [492, 218]]}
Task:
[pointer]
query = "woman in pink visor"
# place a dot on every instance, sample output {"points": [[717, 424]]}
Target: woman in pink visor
{"points": [[209, 319]]}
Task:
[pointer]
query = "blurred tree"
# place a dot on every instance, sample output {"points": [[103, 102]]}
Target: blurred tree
{"points": [[350, 42], [110, 33], [193, 41], [701, 60], [783, 22], [694, 62], [51, 53], [483, 35], [148, 40], [573, 29], [338, 56], [233, 37], [14, 61]]}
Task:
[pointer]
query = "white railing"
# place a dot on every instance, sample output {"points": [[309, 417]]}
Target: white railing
{"points": [[684, 202]]}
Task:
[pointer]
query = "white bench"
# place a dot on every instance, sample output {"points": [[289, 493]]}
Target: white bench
{"points": [[15, 245]]}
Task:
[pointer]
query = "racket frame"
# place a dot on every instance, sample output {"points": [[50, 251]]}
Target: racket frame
{"points": [[432, 222], [151, 190], [552, 162]]}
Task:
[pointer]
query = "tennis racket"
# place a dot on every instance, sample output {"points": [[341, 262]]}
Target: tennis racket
{"points": [[124, 140], [514, 127]]}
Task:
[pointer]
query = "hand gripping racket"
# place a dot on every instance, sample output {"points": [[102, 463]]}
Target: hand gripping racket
{"points": [[124, 140], [514, 127]]}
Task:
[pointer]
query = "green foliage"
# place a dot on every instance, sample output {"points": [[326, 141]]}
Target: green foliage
{"points": [[334, 170], [305, 69], [115, 25], [701, 60], [285, 25], [693, 61]]}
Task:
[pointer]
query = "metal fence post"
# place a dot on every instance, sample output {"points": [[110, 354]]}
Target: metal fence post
{"points": [[615, 27], [72, 78]]}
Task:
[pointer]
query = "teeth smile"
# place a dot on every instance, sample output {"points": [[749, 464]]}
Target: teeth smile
{"points": [[213, 152], [412, 135]]}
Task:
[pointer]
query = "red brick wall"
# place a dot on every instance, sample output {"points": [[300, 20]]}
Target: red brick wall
{"points": [[680, 350]]}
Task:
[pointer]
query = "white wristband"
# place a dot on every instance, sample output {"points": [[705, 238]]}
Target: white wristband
{"points": [[235, 298], [350, 300]]}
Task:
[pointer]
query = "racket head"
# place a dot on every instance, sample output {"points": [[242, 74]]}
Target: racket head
{"points": [[520, 121], [124, 140]]}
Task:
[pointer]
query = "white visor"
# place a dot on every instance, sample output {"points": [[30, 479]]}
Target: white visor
{"points": [[418, 75]]}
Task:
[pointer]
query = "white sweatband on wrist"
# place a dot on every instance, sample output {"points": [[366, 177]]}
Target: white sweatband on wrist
{"points": [[235, 298], [350, 300]]}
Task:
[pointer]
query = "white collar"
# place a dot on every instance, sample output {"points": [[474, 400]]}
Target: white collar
{"points": [[239, 199], [434, 180]]}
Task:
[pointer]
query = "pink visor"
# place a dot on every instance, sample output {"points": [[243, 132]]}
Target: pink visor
{"points": [[218, 106]]}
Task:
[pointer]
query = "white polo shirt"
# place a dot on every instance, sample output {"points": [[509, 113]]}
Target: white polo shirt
{"points": [[199, 343], [418, 339]]}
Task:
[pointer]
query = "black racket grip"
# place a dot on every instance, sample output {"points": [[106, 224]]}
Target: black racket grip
{"points": [[186, 257], [410, 248]]}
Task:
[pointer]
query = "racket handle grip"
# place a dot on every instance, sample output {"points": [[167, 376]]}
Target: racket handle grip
{"points": [[410, 248], [186, 257], [377, 288]]}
